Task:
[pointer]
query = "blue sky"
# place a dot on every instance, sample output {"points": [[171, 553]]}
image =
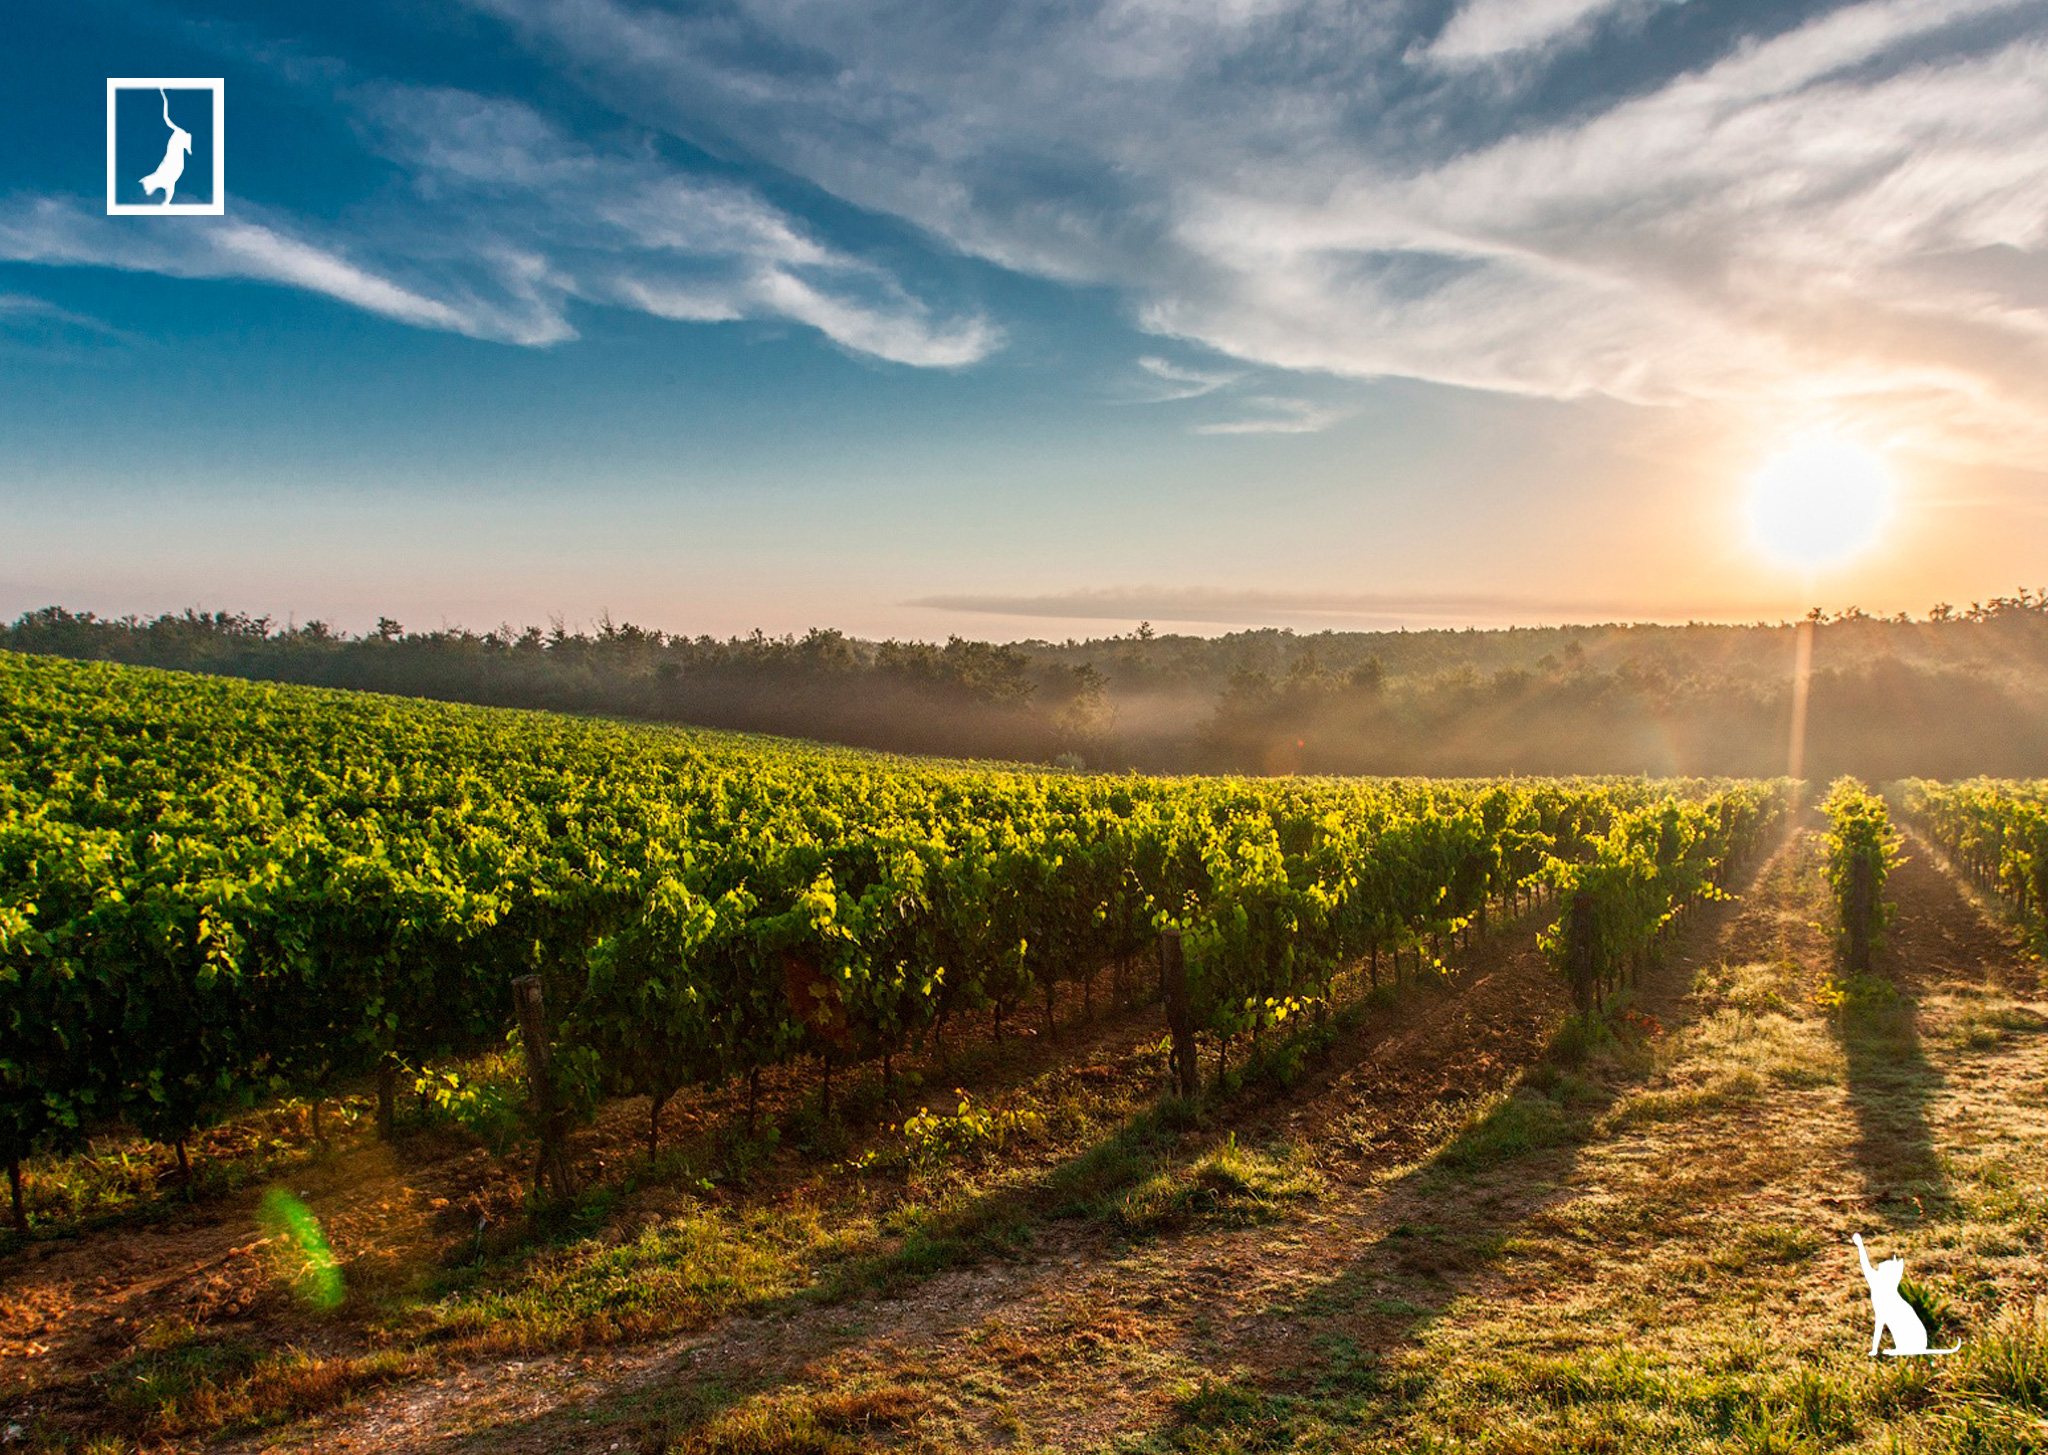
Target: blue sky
{"points": [[1023, 319]]}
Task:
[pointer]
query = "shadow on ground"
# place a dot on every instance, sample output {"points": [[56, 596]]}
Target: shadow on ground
{"points": [[1450, 1217], [1937, 938], [1426, 1234]]}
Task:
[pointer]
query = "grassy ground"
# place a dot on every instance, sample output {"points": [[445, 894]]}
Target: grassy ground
{"points": [[1430, 1234], [1676, 1272], [1644, 1249], [146, 1310]]}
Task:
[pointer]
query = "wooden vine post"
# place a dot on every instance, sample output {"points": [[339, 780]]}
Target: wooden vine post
{"points": [[1173, 982], [552, 1167], [1581, 963], [1862, 913]]}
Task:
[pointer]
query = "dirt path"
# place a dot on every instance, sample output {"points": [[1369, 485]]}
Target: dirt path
{"points": [[1074, 1293], [204, 1266], [72, 1304], [1089, 1335], [1481, 1234], [1678, 1276], [1659, 1230], [1944, 935]]}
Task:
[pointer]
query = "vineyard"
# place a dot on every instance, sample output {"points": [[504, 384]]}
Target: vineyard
{"points": [[1995, 831], [1862, 848], [779, 1097], [213, 892]]}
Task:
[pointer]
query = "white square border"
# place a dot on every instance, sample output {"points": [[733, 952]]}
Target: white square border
{"points": [[215, 208]]}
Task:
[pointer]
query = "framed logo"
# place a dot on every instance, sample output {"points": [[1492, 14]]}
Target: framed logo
{"points": [[165, 151]]}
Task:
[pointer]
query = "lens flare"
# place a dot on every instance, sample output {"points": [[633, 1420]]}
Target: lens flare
{"points": [[1819, 502], [311, 1262]]}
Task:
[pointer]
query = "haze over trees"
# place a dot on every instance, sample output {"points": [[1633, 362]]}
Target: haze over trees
{"points": [[1951, 694]]}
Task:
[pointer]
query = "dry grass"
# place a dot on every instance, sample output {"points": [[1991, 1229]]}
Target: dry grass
{"points": [[1448, 1243], [1685, 1286], [179, 1381], [837, 1422]]}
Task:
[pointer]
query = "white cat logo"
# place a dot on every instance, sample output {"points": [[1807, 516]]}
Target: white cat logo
{"points": [[165, 178], [184, 131], [1909, 1335]]}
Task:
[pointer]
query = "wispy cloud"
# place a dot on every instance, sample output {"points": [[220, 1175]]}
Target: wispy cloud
{"points": [[35, 229], [1774, 207], [1170, 383], [1319, 608], [510, 223], [19, 311], [1280, 416], [1489, 30], [626, 228], [48, 331]]}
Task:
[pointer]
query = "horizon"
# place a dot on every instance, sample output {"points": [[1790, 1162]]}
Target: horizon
{"points": [[1429, 314], [2024, 598], [1097, 725]]}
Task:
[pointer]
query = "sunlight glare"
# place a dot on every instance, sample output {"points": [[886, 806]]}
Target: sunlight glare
{"points": [[1818, 502]]}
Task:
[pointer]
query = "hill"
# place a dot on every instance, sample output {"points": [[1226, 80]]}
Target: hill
{"points": [[1951, 694]]}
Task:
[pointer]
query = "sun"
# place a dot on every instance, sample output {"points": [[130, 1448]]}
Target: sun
{"points": [[1819, 502]]}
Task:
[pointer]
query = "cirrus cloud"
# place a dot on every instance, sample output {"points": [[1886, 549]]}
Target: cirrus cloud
{"points": [[1835, 207], [505, 222], [1490, 30]]}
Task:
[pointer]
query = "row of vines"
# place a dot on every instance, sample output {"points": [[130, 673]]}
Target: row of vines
{"points": [[1995, 831], [214, 890], [1862, 848], [1630, 884]]}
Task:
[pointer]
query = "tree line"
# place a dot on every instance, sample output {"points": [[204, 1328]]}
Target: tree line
{"points": [[1958, 692]]}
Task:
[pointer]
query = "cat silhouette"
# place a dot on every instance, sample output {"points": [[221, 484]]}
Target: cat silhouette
{"points": [[1909, 1335], [165, 178]]}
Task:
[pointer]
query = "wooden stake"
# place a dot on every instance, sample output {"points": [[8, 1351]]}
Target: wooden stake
{"points": [[654, 1106], [1579, 962], [1173, 981], [551, 1167], [1861, 912]]}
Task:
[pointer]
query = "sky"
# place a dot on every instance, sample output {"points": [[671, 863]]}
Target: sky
{"points": [[1019, 320]]}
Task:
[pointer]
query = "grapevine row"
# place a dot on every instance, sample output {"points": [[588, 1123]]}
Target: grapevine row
{"points": [[1639, 876], [1862, 847], [1995, 831], [211, 890]]}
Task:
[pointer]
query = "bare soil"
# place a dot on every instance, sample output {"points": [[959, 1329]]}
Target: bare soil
{"points": [[1473, 1198], [1041, 1341]]}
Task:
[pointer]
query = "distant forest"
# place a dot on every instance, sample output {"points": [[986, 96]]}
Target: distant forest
{"points": [[1953, 694]]}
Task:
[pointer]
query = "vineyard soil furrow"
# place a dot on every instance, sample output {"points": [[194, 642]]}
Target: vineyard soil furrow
{"points": [[1397, 1305], [1376, 1106], [745, 973]]}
